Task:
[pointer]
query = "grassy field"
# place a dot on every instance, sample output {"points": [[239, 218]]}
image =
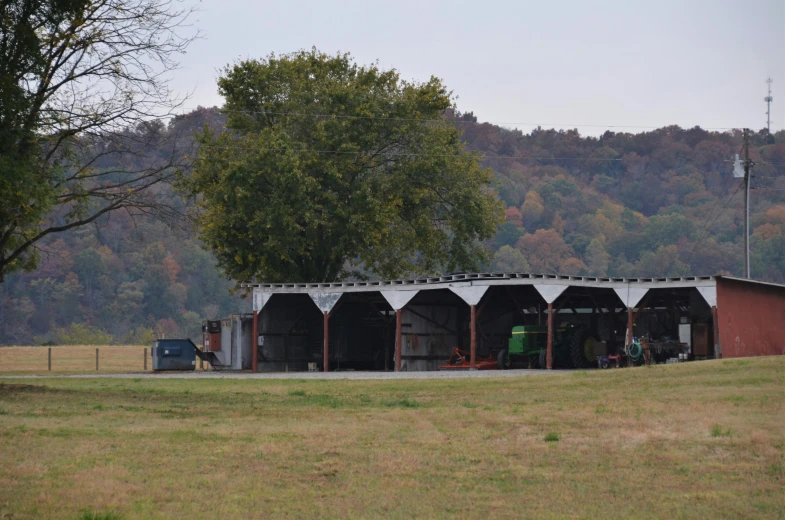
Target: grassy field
{"points": [[698, 440], [75, 359]]}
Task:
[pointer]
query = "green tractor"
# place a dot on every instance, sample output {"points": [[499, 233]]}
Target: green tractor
{"points": [[574, 346]]}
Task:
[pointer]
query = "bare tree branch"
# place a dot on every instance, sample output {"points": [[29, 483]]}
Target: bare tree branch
{"points": [[83, 94]]}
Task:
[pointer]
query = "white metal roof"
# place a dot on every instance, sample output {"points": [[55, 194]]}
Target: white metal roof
{"points": [[465, 279]]}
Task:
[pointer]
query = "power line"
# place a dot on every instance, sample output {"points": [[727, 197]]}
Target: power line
{"points": [[707, 226]]}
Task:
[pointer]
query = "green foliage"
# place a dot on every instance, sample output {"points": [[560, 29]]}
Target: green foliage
{"points": [[663, 230], [510, 260], [287, 197], [80, 334], [508, 234], [140, 336], [552, 437]]}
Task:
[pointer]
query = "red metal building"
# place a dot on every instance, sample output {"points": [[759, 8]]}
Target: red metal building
{"points": [[750, 317]]}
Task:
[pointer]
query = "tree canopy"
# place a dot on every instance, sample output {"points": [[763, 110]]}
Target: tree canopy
{"points": [[331, 169]]}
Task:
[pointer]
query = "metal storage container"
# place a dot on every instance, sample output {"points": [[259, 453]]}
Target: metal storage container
{"points": [[174, 354]]}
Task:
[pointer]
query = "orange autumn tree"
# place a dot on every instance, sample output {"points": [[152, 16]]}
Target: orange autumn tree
{"points": [[544, 250]]}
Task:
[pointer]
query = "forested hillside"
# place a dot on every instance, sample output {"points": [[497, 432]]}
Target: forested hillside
{"points": [[127, 279], [655, 203]]}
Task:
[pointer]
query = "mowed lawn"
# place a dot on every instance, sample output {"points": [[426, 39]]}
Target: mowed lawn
{"points": [[698, 440]]}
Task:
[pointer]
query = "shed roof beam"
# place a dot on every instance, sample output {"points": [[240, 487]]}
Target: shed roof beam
{"points": [[398, 299], [325, 300], [471, 294], [709, 294], [550, 292], [631, 296], [260, 299]]}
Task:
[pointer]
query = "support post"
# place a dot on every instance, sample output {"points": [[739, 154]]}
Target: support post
{"points": [[50, 359], [145, 359], [387, 345], [715, 326], [746, 203], [473, 339], [255, 339], [549, 351], [630, 335], [326, 360], [96, 359], [398, 338]]}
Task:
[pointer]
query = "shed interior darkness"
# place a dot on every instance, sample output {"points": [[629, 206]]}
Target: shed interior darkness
{"points": [[362, 324]]}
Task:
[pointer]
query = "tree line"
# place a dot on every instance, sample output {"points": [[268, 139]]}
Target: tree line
{"points": [[120, 222]]}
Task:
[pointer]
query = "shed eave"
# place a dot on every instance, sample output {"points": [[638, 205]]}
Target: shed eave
{"points": [[487, 279]]}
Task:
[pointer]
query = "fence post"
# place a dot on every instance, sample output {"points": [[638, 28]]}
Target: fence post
{"points": [[50, 359], [145, 359], [96, 359]]}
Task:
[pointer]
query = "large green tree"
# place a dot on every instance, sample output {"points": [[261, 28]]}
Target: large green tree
{"points": [[81, 82], [331, 169]]}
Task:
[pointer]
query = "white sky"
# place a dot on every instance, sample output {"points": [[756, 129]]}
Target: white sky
{"points": [[563, 63]]}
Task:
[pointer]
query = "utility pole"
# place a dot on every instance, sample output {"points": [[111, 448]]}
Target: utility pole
{"points": [[768, 99], [746, 203], [744, 169]]}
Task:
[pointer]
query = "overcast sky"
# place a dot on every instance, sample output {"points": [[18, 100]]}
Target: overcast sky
{"points": [[567, 63]]}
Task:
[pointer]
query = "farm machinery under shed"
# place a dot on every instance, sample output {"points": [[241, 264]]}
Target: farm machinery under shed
{"points": [[574, 346], [465, 320]]}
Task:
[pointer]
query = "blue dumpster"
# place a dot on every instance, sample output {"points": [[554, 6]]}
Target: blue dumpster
{"points": [[174, 354]]}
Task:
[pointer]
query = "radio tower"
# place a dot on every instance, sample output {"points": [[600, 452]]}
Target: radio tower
{"points": [[768, 99]]}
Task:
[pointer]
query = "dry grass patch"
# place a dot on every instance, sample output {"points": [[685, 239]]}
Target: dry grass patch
{"points": [[74, 359], [631, 443]]}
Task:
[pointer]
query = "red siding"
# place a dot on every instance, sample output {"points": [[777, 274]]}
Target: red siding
{"points": [[751, 319]]}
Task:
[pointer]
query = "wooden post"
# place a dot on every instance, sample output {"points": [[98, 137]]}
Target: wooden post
{"points": [[398, 339], [96, 358], [473, 338], [255, 339], [549, 351], [326, 360], [145, 359], [50, 359]]}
